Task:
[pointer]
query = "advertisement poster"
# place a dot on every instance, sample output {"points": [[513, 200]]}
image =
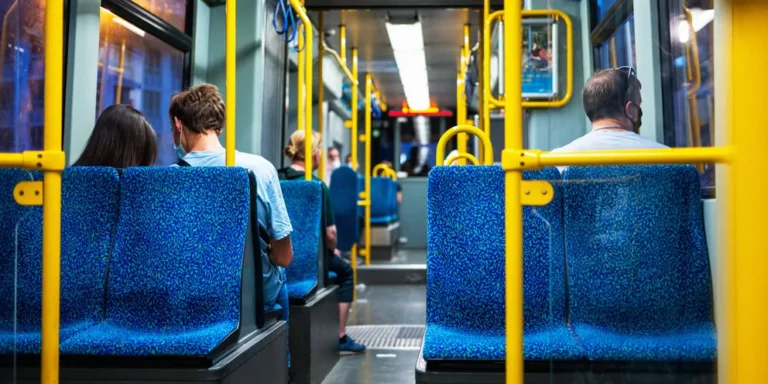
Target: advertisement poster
{"points": [[539, 59]]}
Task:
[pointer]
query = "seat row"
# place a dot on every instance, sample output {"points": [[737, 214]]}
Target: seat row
{"points": [[383, 201], [615, 267], [154, 262]]}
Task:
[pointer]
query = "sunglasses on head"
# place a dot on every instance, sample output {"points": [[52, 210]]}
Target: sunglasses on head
{"points": [[630, 73]]}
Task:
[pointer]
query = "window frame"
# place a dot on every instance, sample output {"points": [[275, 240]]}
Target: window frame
{"points": [[160, 29]]}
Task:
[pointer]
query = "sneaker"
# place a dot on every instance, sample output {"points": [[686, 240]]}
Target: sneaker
{"points": [[349, 346]]}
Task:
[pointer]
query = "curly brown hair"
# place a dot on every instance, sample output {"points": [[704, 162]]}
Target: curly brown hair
{"points": [[199, 108]]}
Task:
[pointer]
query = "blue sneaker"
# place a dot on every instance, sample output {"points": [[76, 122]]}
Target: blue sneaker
{"points": [[349, 346]]}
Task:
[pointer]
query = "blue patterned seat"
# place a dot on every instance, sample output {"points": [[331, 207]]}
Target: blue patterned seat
{"points": [[639, 280], [88, 221], [381, 200], [345, 189], [465, 269], [304, 201], [174, 286]]}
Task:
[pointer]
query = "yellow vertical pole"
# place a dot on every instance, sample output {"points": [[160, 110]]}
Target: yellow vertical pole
{"points": [[231, 65], [461, 115], [343, 44], [481, 88], [513, 139], [54, 84], [300, 100], [462, 98], [368, 113], [320, 93], [353, 110], [486, 87], [308, 85], [746, 283], [353, 261]]}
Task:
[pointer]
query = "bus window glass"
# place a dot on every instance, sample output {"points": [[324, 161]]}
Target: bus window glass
{"points": [[172, 11], [22, 59], [602, 7], [689, 77], [619, 49], [138, 69]]}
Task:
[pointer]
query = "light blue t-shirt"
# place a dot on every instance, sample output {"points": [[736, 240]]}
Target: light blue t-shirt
{"points": [[604, 139], [271, 212]]}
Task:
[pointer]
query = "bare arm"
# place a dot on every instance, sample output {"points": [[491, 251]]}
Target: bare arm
{"points": [[330, 237], [399, 197], [282, 251]]}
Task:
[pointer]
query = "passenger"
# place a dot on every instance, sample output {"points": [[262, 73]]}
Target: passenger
{"points": [[334, 163], [612, 101], [348, 160], [122, 138], [345, 278], [197, 117]]}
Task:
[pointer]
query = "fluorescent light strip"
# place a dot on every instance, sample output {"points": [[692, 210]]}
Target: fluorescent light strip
{"points": [[407, 43]]}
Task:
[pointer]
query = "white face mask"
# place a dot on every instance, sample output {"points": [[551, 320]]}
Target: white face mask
{"points": [[335, 164], [180, 153]]}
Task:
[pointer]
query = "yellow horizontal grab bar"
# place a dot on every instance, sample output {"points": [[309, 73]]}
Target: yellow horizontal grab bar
{"points": [[534, 159], [34, 160], [449, 134], [456, 156], [499, 103], [363, 203], [341, 63]]}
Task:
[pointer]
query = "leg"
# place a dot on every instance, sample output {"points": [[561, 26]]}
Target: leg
{"points": [[346, 289]]}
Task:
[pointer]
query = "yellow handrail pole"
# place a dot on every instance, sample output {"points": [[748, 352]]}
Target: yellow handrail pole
{"points": [[231, 81], [747, 267], [320, 93], [481, 69], [467, 156], [379, 168], [306, 54], [535, 159], [449, 134], [54, 85], [461, 112], [343, 44], [353, 110], [368, 113], [557, 14], [391, 174], [342, 62], [498, 15], [513, 140], [11, 160], [300, 99]]}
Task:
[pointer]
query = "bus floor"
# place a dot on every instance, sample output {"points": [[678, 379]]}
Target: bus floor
{"points": [[390, 320]]}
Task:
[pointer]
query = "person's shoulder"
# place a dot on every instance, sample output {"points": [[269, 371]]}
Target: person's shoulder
{"points": [[258, 164]]}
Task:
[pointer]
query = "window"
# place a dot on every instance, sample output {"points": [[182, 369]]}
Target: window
{"points": [[143, 66], [172, 11], [688, 70], [619, 49], [22, 59]]}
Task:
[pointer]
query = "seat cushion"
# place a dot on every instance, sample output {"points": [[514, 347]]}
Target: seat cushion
{"points": [[111, 338], [548, 343], [696, 343]]}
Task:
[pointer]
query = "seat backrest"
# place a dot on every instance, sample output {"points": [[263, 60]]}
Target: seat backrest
{"points": [[178, 257], [465, 251], [304, 201], [381, 199], [637, 253], [89, 215], [11, 215], [345, 189]]}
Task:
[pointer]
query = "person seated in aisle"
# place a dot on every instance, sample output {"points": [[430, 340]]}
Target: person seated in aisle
{"points": [[122, 138], [348, 160], [345, 277], [334, 163], [197, 119], [612, 99]]}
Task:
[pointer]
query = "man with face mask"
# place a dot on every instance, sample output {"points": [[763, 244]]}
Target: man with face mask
{"points": [[612, 103], [334, 162]]}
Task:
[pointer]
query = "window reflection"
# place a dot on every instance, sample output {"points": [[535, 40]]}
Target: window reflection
{"points": [[138, 69], [691, 41], [22, 59], [619, 49], [172, 11]]}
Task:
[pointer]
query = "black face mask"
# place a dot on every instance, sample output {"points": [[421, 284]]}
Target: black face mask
{"points": [[639, 122]]}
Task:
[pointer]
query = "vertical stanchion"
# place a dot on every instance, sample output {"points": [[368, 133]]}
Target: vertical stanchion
{"points": [[231, 81], [308, 85], [343, 44], [320, 94], [353, 111], [300, 99], [746, 281], [485, 103], [461, 112], [513, 139], [368, 113], [481, 74], [53, 88]]}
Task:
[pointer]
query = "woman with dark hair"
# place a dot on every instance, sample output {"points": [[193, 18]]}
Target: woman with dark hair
{"points": [[122, 138]]}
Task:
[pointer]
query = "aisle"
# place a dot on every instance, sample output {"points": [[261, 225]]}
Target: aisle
{"points": [[390, 319]]}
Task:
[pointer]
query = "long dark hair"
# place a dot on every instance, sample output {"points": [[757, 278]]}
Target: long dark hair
{"points": [[122, 138]]}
